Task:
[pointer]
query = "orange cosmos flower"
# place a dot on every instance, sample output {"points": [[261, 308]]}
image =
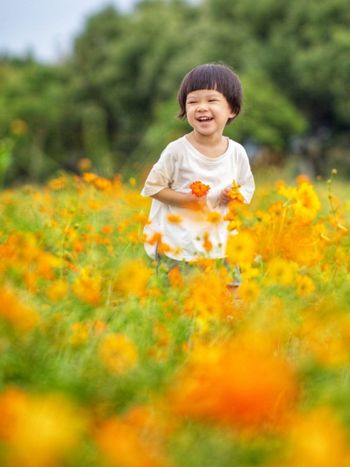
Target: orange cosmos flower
{"points": [[156, 239], [102, 183], [199, 189], [175, 277], [174, 218], [208, 246], [89, 177], [107, 229], [235, 385], [124, 446], [16, 312], [88, 289]]}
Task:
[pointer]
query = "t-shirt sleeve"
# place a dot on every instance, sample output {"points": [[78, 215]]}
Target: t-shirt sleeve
{"points": [[161, 174], [245, 177]]}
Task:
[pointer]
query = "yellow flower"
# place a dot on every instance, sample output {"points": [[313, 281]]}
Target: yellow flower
{"points": [[118, 353], [305, 285], [286, 191], [209, 302], [39, 430], [132, 278], [249, 291], [80, 334], [88, 288], [318, 440], [307, 203], [57, 290], [234, 224], [234, 194], [57, 183], [281, 271], [241, 248]]}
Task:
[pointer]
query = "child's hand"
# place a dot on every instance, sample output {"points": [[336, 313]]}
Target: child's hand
{"points": [[224, 197], [194, 202]]}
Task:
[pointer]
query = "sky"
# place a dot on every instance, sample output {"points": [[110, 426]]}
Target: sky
{"points": [[47, 27]]}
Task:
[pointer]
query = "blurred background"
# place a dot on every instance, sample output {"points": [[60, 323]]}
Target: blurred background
{"points": [[98, 81]]}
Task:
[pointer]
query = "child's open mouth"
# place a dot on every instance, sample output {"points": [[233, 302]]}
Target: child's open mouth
{"points": [[204, 119]]}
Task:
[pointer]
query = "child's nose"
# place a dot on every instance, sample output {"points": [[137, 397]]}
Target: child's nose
{"points": [[202, 105]]}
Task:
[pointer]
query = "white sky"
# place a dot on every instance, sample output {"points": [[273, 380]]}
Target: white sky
{"points": [[47, 27]]}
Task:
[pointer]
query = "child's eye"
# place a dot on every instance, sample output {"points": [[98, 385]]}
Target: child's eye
{"points": [[213, 100]]}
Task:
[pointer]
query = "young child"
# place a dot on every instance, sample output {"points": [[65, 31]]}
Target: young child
{"points": [[183, 226]]}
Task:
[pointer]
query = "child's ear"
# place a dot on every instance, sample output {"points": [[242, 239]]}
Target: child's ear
{"points": [[231, 117]]}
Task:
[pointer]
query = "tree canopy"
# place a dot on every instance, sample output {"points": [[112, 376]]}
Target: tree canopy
{"points": [[113, 99]]}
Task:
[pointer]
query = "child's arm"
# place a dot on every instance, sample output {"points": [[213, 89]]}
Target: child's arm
{"points": [[244, 179], [181, 200]]}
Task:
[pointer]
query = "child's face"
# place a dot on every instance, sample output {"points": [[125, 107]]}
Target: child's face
{"points": [[207, 111]]}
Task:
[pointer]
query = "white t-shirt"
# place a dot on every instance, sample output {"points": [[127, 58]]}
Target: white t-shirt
{"points": [[179, 165]]}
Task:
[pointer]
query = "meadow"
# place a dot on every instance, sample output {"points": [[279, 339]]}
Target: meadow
{"points": [[105, 362]]}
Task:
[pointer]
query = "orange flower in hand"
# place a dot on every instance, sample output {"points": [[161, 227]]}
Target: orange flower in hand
{"points": [[199, 189]]}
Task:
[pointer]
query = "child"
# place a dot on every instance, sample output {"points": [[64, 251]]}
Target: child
{"points": [[180, 225]]}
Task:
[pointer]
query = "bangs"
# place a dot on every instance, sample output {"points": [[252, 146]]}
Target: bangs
{"points": [[206, 77]]}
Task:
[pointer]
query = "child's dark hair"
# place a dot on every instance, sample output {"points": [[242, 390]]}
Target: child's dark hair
{"points": [[212, 76]]}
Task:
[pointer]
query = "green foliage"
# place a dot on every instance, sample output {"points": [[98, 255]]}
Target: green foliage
{"points": [[95, 139], [268, 117], [6, 147], [109, 99]]}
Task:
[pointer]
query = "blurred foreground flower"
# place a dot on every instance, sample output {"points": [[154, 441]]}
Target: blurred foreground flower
{"points": [[39, 431], [15, 312], [241, 248], [132, 278], [124, 446], [236, 385], [118, 353], [317, 439]]}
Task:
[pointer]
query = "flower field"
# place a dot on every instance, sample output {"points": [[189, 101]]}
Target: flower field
{"points": [[107, 362]]}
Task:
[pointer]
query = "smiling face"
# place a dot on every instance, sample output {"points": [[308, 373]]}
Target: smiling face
{"points": [[208, 111]]}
